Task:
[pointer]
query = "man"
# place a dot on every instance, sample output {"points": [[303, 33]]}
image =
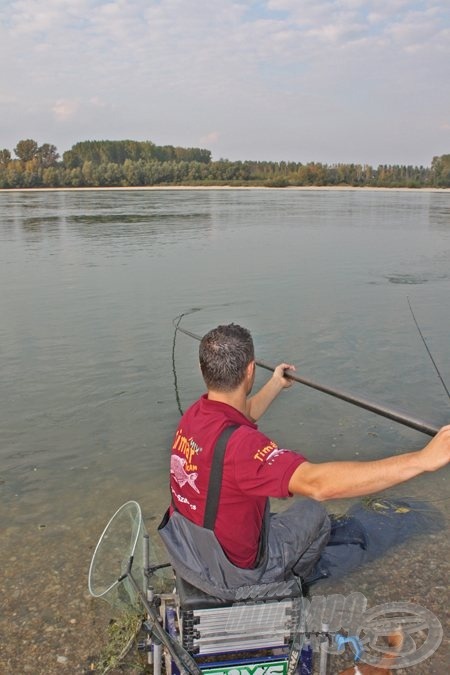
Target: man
{"points": [[243, 544]]}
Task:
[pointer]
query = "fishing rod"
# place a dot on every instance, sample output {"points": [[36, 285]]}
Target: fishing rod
{"points": [[384, 411]]}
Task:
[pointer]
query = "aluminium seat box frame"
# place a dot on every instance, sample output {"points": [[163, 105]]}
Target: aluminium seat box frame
{"points": [[243, 638]]}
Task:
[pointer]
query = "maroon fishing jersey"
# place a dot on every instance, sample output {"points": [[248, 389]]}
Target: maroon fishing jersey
{"points": [[255, 468]]}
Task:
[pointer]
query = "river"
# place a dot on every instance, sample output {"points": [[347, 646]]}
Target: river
{"points": [[90, 285]]}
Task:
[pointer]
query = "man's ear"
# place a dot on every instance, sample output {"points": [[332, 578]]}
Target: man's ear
{"points": [[251, 369]]}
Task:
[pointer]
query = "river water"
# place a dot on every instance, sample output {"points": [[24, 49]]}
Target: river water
{"points": [[90, 285]]}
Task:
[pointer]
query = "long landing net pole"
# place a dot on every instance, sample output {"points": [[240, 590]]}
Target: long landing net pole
{"points": [[185, 662], [396, 416]]}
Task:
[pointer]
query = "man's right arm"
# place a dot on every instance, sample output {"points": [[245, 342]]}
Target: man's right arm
{"points": [[336, 480], [259, 402]]}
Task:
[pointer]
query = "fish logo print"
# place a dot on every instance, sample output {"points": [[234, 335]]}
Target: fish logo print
{"points": [[180, 474]]}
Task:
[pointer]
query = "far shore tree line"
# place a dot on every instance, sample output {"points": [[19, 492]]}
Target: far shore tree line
{"points": [[142, 163]]}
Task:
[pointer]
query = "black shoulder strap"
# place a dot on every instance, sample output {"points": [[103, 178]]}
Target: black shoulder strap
{"points": [[215, 477]]}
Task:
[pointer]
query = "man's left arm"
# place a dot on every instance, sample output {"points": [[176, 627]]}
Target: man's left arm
{"points": [[344, 479], [258, 404]]}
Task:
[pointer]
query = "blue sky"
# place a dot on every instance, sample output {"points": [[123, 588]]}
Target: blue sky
{"points": [[363, 81]]}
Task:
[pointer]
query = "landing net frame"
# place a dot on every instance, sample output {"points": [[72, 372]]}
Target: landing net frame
{"points": [[121, 540]]}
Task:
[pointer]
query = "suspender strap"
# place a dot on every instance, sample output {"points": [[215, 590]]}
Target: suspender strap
{"points": [[215, 477]]}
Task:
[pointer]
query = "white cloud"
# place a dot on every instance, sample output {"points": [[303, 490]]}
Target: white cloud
{"points": [[210, 139], [64, 109]]}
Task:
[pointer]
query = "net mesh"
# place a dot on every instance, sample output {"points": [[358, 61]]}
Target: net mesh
{"points": [[122, 538]]}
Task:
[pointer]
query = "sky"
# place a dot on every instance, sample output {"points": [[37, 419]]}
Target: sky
{"points": [[364, 81]]}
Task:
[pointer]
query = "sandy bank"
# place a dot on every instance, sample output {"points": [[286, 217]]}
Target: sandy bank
{"points": [[309, 188]]}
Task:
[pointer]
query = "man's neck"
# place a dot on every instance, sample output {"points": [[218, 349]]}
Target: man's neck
{"points": [[236, 398]]}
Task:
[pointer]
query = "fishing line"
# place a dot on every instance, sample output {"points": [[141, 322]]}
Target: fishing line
{"points": [[174, 370], [177, 319], [426, 347]]}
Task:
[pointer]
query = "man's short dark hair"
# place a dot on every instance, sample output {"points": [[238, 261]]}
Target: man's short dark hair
{"points": [[225, 353]]}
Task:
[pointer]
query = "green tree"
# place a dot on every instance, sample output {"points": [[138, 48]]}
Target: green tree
{"points": [[5, 157], [440, 171], [48, 155], [26, 150], [131, 173], [14, 175], [87, 172], [51, 177]]}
